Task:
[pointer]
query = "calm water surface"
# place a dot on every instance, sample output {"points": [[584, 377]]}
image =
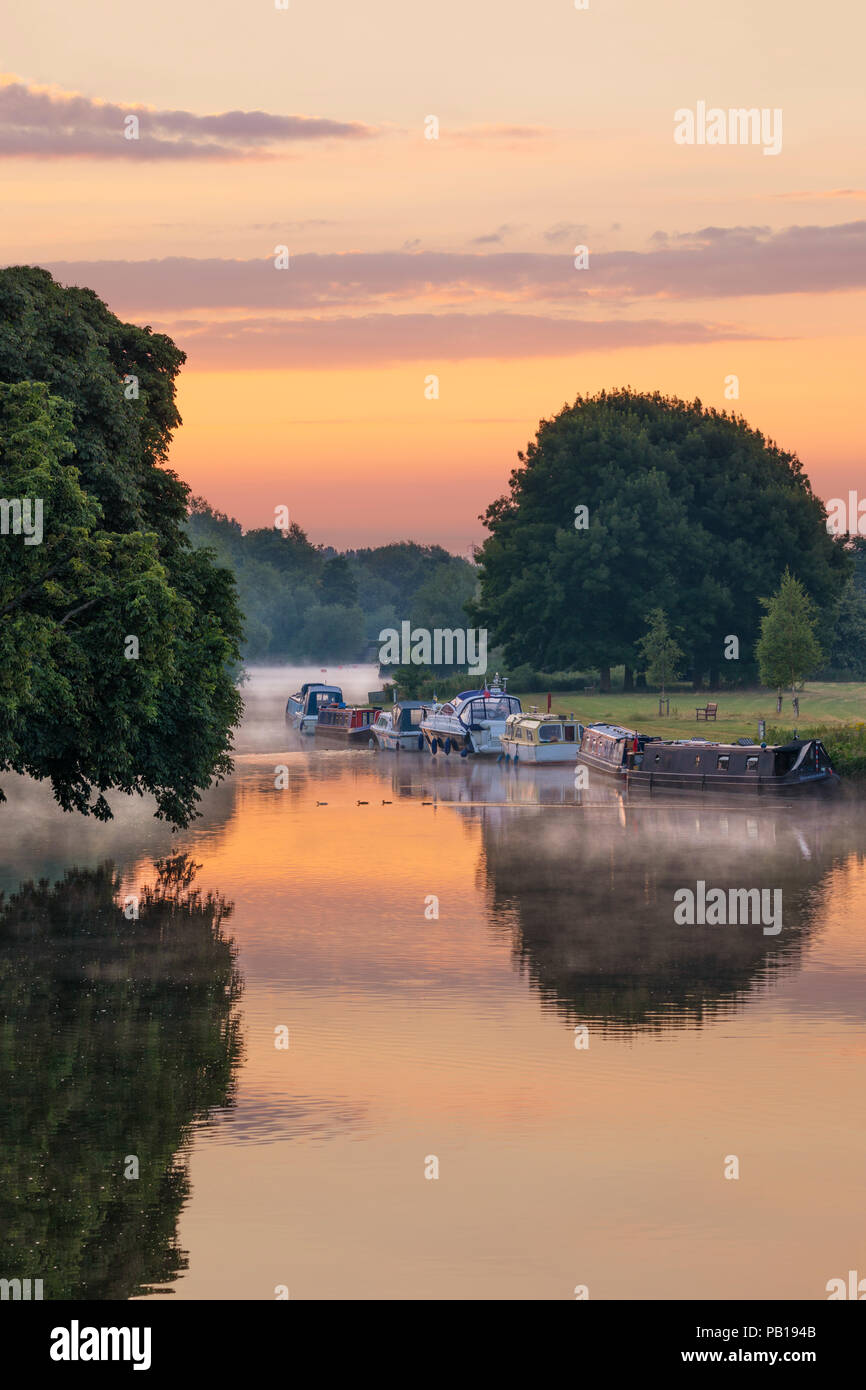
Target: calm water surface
{"points": [[307, 909]]}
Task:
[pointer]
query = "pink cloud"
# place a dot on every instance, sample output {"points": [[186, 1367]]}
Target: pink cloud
{"points": [[49, 123]]}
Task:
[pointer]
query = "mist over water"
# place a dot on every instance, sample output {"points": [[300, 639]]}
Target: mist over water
{"points": [[308, 908]]}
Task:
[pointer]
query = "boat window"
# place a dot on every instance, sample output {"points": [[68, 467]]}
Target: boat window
{"points": [[569, 733], [697, 760], [447, 709], [498, 708], [550, 733], [751, 764], [415, 717], [658, 757], [722, 762]]}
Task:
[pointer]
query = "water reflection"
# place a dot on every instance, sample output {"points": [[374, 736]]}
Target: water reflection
{"points": [[593, 904], [116, 1035], [414, 1034]]}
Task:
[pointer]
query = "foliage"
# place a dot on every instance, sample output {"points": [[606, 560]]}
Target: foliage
{"points": [[302, 602], [788, 649], [661, 654], [115, 562], [689, 510]]}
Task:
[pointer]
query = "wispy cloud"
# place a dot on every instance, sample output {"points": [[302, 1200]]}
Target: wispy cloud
{"points": [[388, 339], [714, 263], [47, 122], [827, 195], [495, 238], [511, 136]]}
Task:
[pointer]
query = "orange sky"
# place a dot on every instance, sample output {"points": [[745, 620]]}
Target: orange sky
{"points": [[411, 257]]}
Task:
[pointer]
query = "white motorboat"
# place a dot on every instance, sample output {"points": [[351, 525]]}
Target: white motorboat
{"points": [[399, 726], [473, 722]]}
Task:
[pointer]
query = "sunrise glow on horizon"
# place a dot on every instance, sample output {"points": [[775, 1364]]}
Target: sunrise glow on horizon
{"points": [[452, 257]]}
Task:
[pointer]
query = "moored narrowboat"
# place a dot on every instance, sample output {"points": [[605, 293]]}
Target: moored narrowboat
{"points": [[608, 747], [696, 765], [347, 723]]}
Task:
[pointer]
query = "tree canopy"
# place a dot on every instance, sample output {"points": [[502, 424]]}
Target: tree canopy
{"points": [[788, 648], [303, 601], [119, 642], [626, 502]]}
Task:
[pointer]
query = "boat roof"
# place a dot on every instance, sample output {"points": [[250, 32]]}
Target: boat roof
{"points": [[543, 718], [317, 688], [613, 730], [792, 746], [412, 704]]}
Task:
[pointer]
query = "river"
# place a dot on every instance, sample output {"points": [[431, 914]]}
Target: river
{"points": [[384, 1026]]}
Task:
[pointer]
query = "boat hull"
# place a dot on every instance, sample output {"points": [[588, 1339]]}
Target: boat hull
{"points": [[747, 784], [393, 743], [461, 740], [355, 738], [520, 752], [741, 785]]}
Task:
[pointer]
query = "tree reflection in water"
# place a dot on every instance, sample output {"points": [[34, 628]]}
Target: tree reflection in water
{"points": [[116, 1035], [590, 904]]}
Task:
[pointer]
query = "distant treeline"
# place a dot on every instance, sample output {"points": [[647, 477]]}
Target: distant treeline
{"points": [[302, 601]]}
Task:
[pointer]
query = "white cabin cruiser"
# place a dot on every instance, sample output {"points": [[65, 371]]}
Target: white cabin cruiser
{"points": [[399, 726], [541, 738], [473, 722], [302, 708]]}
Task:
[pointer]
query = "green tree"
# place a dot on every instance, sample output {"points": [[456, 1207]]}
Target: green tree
{"points": [[660, 652], [684, 509], [333, 632], [442, 598], [338, 584], [788, 649], [846, 653], [83, 705]]}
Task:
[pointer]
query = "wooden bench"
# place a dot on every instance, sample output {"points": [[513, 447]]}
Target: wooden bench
{"points": [[706, 712]]}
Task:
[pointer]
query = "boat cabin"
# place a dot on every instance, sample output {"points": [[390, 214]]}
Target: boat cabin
{"points": [[697, 760], [543, 728], [476, 707], [407, 715], [346, 718]]}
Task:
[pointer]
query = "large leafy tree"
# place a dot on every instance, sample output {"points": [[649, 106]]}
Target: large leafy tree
{"points": [[686, 509], [118, 641]]}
